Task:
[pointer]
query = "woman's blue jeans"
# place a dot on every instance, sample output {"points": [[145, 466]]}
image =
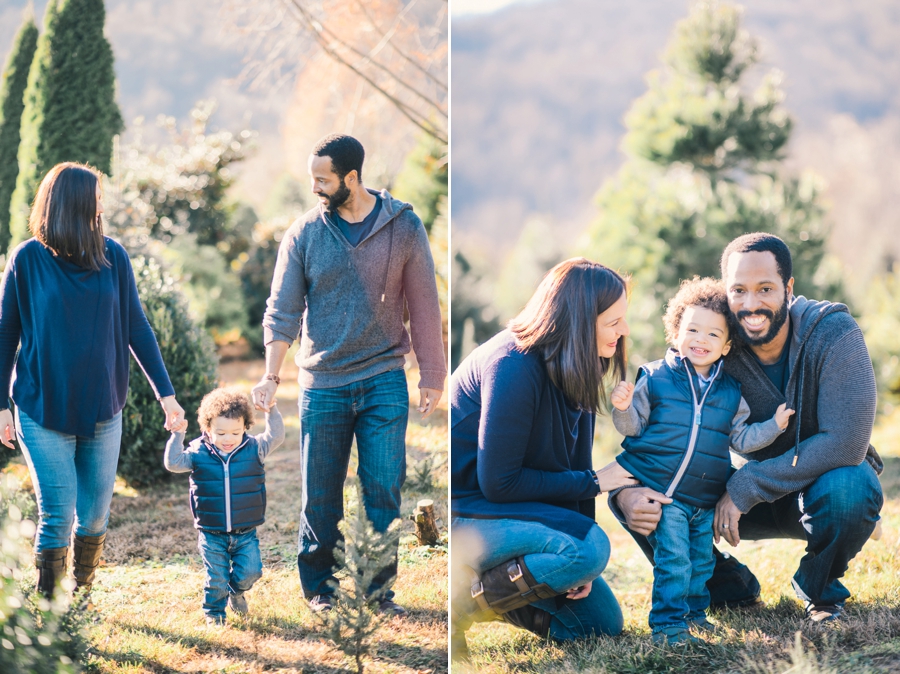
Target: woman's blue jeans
{"points": [[375, 411], [558, 559], [73, 478]]}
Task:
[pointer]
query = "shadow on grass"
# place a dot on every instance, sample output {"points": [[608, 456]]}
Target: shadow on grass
{"points": [[240, 656]]}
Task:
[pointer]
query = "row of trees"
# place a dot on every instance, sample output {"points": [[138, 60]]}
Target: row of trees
{"points": [[704, 164]]}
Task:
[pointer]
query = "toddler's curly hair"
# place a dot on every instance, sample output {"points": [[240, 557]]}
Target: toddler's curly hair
{"points": [[231, 402], [708, 293]]}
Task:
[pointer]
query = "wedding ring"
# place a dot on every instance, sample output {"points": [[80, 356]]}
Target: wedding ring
{"points": [[724, 525]]}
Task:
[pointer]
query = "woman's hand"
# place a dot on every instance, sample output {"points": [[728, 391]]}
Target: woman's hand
{"points": [[580, 592], [7, 428], [612, 476], [174, 412]]}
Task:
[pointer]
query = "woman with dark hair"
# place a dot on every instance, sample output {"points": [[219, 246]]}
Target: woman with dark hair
{"points": [[69, 305], [522, 484]]}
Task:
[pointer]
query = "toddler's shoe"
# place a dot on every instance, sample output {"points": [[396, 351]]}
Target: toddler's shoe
{"points": [[674, 636], [237, 602], [215, 621], [824, 613], [702, 624]]}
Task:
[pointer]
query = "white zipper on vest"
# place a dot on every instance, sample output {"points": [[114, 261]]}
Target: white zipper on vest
{"points": [[227, 469], [695, 426]]}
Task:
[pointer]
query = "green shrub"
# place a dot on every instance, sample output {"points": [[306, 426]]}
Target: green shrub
{"points": [[190, 359], [36, 636], [256, 275]]}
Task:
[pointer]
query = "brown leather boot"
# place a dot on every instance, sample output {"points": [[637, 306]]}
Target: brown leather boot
{"points": [[51, 568], [87, 559], [499, 591]]}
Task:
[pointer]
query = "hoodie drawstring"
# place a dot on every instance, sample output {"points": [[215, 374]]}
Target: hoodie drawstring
{"points": [[387, 269]]}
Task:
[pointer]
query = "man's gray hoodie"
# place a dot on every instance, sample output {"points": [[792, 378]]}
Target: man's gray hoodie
{"points": [[346, 304], [831, 387]]}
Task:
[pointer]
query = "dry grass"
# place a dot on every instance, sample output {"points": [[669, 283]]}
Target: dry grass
{"points": [[148, 592], [772, 640]]}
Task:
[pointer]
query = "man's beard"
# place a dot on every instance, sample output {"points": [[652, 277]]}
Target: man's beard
{"points": [[776, 320], [337, 199]]}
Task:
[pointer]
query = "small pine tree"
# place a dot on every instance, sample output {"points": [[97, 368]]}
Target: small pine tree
{"points": [[12, 102], [70, 108], [363, 554]]}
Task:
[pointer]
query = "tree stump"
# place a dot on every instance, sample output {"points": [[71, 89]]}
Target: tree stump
{"points": [[426, 528]]}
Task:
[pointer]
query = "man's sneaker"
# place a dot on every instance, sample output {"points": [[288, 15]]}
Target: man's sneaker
{"points": [[389, 608], [674, 636], [237, 602], [321, 603], [824, 613], [215, 621]]}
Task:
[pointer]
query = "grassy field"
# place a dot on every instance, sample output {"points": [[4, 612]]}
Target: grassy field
{"points": [[775, 639], [148, 593]]}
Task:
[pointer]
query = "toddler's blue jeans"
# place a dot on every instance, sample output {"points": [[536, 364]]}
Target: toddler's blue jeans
{"points": [[233, 564], [682, 563]]}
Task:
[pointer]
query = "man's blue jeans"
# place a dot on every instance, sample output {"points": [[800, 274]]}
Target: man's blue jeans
{"points": [[375, 411], [682, 563], [835, 515], [73, 478], [232, 564], [562, 561]]}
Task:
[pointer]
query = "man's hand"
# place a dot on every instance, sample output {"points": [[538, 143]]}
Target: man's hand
{"points": [[263, 394], [428, 400], [7, 428], [580, 592], [174, 412], [642, 508], [783, 415], [621, 395], [725, 523]]}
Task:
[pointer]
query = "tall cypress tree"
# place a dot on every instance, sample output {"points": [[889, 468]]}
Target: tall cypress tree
{"points": [[12, 101], [70, 109]]}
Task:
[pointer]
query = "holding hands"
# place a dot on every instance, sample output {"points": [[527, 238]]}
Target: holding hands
{"points": [[622, 395], [783, 415]]}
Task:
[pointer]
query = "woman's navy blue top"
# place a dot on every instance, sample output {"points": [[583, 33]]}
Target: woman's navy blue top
{"points": [[519, 450], [75, 327]]}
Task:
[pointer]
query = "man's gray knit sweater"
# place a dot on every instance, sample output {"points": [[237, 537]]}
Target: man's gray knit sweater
{"points": [[346, 304], [831, 387]]}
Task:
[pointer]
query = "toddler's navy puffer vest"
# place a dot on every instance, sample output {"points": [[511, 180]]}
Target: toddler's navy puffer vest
{"points": [[230, 493], [683, 451]]}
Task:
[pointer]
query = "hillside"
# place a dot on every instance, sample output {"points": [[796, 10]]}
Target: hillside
{"points": [[539, 91]]}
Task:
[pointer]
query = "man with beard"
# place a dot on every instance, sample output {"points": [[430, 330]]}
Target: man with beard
{"points": [[818, 481], [345, 272]]}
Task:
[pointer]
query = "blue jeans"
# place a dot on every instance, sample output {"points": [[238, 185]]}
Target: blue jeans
{"points": [[73, 478], [375, 411], [558, 559], [232, 564], [835, 515], [682, 563]]}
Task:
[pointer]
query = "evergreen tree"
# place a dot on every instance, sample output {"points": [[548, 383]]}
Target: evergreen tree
{"points": [[703, 167], [12, 101], [70, 109], [423, 180], [362, 554]]}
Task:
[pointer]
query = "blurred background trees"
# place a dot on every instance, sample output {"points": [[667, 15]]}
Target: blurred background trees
{"points": [[705, 158]]}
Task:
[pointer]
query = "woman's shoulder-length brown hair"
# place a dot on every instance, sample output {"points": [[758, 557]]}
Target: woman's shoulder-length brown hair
{"points": [[64, 216], [560, 320]]}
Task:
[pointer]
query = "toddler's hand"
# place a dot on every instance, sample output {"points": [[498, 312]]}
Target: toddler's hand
{"points": [[180, 427], [622, 395], [783, 415]]}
